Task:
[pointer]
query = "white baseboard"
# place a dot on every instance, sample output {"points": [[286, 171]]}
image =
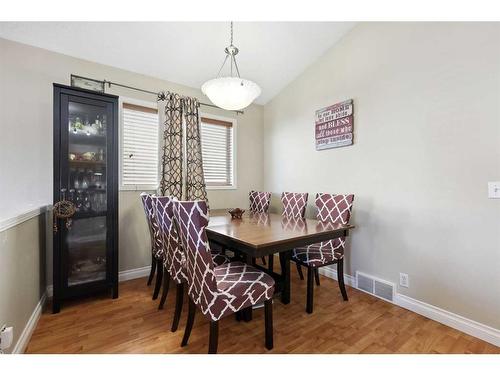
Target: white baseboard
{"points": [[28, 330], [331, 272], [468, 326], [134, 273], [471, 327]]}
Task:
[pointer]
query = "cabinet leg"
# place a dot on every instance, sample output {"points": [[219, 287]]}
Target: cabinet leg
{"points": [[56, 306]]}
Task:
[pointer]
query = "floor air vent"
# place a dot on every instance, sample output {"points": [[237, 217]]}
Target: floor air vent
{"points": [[373, 285]]}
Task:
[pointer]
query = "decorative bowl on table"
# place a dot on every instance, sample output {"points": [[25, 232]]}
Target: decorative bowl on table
{"points": [[236, 213]]}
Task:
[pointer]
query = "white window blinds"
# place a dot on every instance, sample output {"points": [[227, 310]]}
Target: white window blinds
{"points": [[217, 150], [139, 147]]}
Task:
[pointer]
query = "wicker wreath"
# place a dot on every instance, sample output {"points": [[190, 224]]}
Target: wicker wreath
{"points": [[63, 210]]}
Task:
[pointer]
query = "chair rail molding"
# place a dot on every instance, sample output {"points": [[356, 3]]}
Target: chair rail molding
{"points": [[20, 218]]}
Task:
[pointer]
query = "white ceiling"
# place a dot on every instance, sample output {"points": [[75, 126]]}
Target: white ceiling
{"points": [[189, 53]]}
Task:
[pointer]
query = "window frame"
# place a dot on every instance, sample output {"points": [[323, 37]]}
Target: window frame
{"points": [[141, 103], [234, 123]]}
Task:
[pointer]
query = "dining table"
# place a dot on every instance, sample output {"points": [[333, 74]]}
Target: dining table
{"points": [[256, 235]]}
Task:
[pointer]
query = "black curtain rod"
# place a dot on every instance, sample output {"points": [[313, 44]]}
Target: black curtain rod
{"points": [[109, 83]]}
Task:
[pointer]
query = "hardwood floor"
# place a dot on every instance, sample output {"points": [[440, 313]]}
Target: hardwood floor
{"points": [[133, 324]]}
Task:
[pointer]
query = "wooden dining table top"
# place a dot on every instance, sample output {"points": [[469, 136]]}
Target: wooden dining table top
{"points": [[261, 234]]}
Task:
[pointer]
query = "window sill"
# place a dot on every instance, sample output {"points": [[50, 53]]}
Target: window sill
{"points": [[222, 187], [138, 188]]}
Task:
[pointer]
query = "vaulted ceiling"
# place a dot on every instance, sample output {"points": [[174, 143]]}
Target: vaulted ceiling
{"points": [[271, 53]]}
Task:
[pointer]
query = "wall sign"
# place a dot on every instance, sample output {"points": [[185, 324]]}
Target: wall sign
{"points": [[334, 126], [87, 83]]}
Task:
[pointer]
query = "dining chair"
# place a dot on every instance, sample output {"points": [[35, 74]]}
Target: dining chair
{"points": [[294, 206], [217, 291], [174, 261], [156, 245], [259, 203], [332, 209]]}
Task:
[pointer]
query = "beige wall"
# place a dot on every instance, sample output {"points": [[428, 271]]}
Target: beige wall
{"points": [[22, 272], [427, 141]]}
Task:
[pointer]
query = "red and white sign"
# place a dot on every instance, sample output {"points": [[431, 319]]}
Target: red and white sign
{"points": [[334, 126]]}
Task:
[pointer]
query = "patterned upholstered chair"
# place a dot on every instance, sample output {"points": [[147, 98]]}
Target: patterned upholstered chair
{"points": [[217, 291], [259, 203], [294, 207], [156, 245], [174, 260], [332, 209], [294, 204]]}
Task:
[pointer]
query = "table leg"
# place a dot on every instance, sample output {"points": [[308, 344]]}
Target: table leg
{"points": [[285, 276]]}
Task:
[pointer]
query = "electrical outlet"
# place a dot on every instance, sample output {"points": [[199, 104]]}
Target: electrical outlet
{"points": [[6, 337], [404, 280], [494, 190]]}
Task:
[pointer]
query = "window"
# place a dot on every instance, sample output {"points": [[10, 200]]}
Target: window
{"points": [[217, 145], [139, 147]]}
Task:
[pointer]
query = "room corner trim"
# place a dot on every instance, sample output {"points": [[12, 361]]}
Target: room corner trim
{"points": [[30, 326], [466, 325]]}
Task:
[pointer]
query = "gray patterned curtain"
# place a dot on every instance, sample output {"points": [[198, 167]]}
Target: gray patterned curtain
{"points": [[181, 162], [172, 161], [195, 180]]}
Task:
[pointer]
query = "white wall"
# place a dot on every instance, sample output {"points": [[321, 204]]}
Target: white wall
{"points": [[427, 141]]}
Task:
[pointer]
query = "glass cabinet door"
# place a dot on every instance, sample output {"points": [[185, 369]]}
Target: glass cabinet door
{"points": [[85, 173]]}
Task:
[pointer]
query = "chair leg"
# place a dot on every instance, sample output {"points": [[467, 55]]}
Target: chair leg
{"points": [[310, 290], [340, 278], [268, 306], [214, 337], [164, 293], [153, 268], [159, 277], [316, 276], [299, 270], [263, 260], [270, 267], [178, 306], [189, 324]]}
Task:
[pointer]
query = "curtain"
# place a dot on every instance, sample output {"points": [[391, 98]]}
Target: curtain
{"points": [[195, 180], [181, 169]]}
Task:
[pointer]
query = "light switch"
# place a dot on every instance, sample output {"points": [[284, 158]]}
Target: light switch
{"points": [[494, 189]]}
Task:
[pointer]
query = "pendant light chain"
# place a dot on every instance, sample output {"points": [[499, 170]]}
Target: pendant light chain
{"points": [[231, 33]]}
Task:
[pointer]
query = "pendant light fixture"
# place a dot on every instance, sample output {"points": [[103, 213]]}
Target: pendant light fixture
{"points": [[231, 92]]}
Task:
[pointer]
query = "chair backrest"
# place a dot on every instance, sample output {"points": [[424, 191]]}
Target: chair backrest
{"points": [[294, 204], [174, 259], [191, 218], [259, 201], [156, 244], [334, 208], [147, 204]]}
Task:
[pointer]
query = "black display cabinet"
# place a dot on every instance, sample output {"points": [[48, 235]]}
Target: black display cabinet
{"points": [[85, 253]]}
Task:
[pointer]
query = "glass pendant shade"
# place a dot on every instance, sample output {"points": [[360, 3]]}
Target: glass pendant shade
{"points": [[231, 93]]}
